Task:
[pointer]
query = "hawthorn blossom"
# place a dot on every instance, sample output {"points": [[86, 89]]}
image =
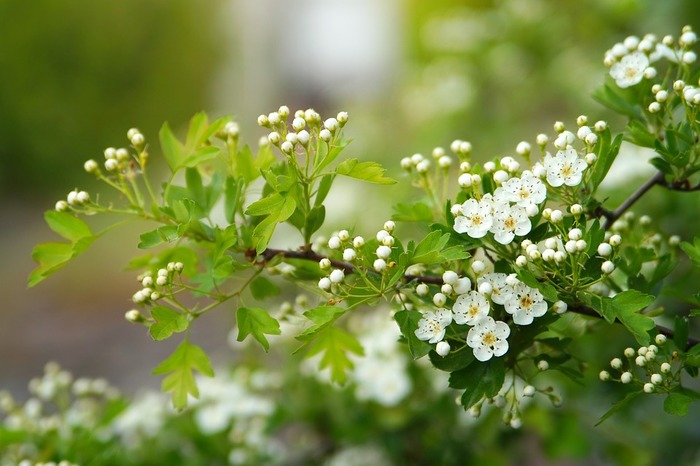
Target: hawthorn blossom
{"points": [[432, 325], [522, 191], [488, 338], [500, 290], [476, 217], [469, 308], [526, 304], [630, 69], [509, 221], [564, 168]]}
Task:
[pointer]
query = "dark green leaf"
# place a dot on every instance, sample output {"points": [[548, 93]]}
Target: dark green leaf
{"points": [[618, 406], [408, 323], [262, 288], [677, 403], [681, 331], [625, 307], [455, 360], [480, 379], [547, 290]]}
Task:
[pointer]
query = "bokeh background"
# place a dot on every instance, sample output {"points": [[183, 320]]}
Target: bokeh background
{"points": [[75, 75]]}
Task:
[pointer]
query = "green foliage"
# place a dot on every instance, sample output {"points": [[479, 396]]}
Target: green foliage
{"points": [[625, 307], [51, 257], [180, 367], [166, 323], [256, 322]]}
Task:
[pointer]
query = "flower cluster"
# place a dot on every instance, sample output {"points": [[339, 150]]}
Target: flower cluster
{"points": [[630, 61], [503, 294], [154, 287], [654, 363], [305, 125]]}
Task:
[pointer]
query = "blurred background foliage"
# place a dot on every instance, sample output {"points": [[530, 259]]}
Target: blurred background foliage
{"points": [[75, 75]]}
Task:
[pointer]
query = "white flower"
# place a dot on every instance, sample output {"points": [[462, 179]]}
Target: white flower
{"points": [[476, 218], [501, 292], [564, 168], [522, 191], [337, 276], [509, 221], [488, 338], [469, 308], [432, 325], [630, 69], [526, 304]]}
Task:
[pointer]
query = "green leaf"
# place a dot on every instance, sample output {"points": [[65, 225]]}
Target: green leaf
{"points": [[323, 159], [167, 322], [264, 230], [180, 366], [416, 212], [677, 403], [234, 195], [618, 406], [408, 323], [482, 379], [173, 150], [692, 357], [263, 287], [692, 250], [258, 322], [547, 289], [625, 307], [53, 256], [324, 188], [266, 205], [201, 155], [67, 225], [455, 360], [432, 250], [241, 164], [164, 234], [322, 318], [335, 345], [681, 331], [371, 172], [607, 153]]}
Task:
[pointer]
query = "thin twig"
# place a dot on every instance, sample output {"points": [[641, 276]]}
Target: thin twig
{"points": [[610, 217]]}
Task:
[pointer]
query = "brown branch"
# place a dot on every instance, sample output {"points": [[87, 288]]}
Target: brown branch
{"points": [[610, 217], [308, 254]]}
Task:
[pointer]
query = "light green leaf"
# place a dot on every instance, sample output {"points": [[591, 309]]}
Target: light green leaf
{"points": [[257, 322], [67, 225], [167, 322], [201, 155], [335, 345], [160, 235], [266, 205], [264, 230], [241, 164], [692, 250], [173, 150], [323, 159], [322, 317], [371, 172], [432, 250], [180, 366], [416, 212]]}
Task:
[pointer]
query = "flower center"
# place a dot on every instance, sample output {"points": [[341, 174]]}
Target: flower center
{"points": [[473, 310], [488, 339], [476, 219], [630, 72], [509, 223], [525, 302], [566, 170]]}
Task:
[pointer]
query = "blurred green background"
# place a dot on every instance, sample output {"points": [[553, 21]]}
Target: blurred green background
{"points": [[75, 75]]}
